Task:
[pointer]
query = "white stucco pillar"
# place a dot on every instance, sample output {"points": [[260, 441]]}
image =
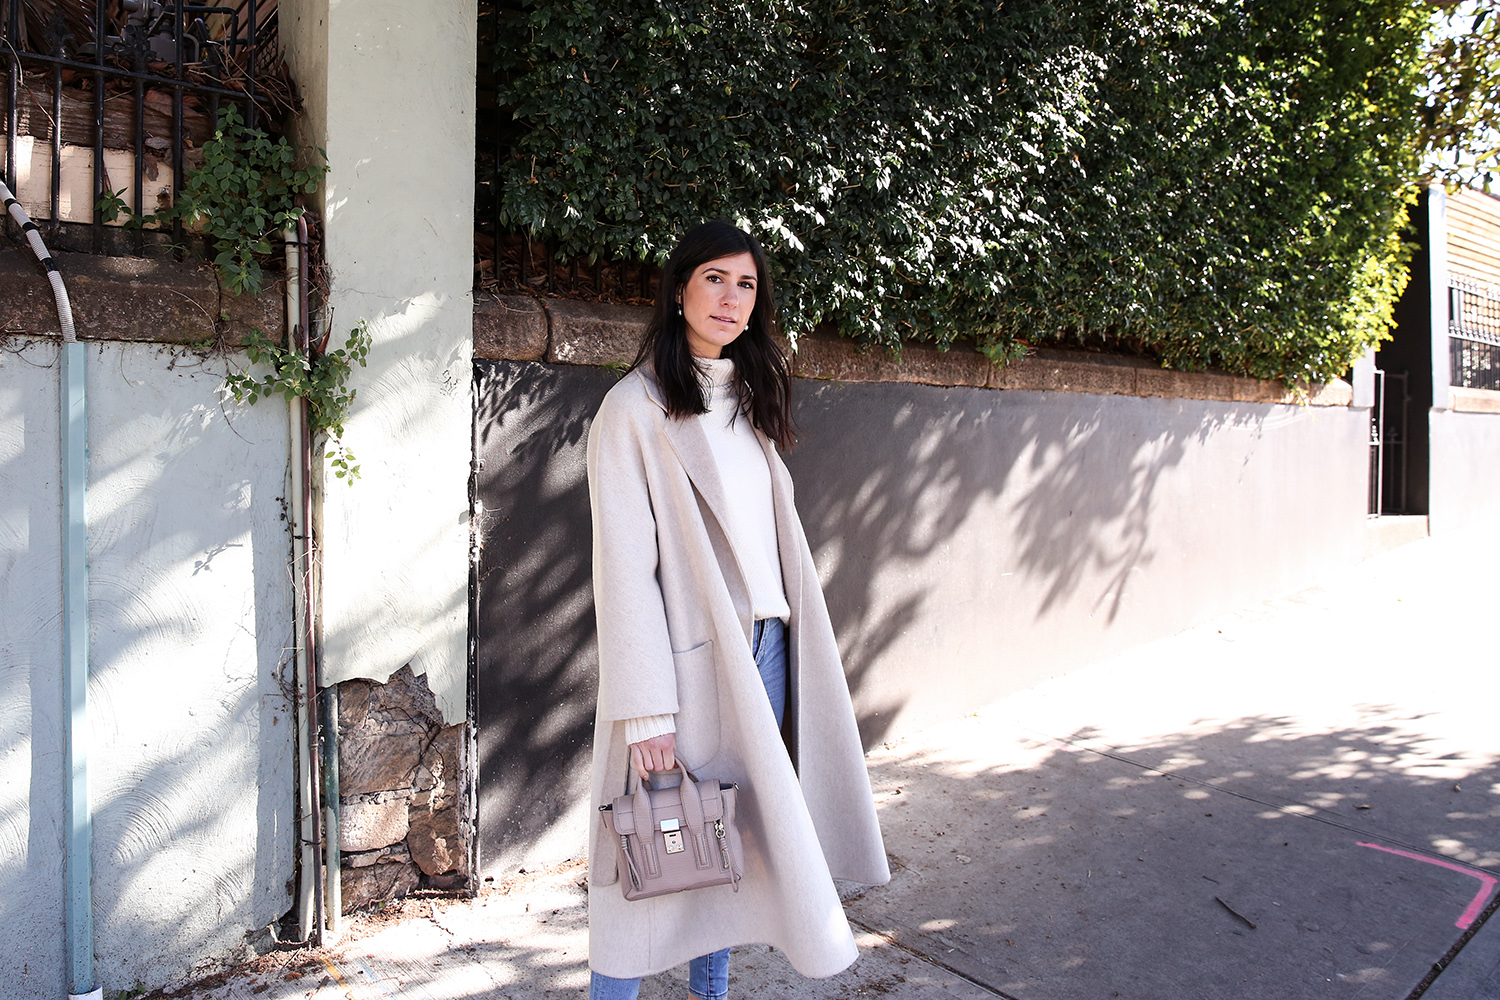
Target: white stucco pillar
{"points": [[1437, 256], [389, 94]]}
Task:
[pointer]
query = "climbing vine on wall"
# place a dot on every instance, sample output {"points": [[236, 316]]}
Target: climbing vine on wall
{"points": [[322, 380], [1217, 182]]}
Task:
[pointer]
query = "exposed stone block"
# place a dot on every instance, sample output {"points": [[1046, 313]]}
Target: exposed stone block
{"points": [[825, 355], [451, 882], [135, 299], [434, 840], [367, 826], [1162, 382], [372, 763], [594, 333], [392, 854], [402, 698], [436, 837], [401, 782], [510, 327], [113, 298], [1466, 400], [443, 761], [266, 311], [377, 883], [384, 730], [960, 365], [1060, 371], [1335, 393], [1257, 390]]}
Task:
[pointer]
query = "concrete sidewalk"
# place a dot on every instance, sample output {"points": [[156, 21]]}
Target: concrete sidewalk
{"points": [[1300, 800]]}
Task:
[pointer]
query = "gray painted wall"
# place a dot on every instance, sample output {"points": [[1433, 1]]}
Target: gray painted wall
{"points": [[971, 542], [191, 763], [1465, 474]]}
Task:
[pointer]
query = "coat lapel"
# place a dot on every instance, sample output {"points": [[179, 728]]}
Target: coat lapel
{"points": [[788, 533], [691, 446]]}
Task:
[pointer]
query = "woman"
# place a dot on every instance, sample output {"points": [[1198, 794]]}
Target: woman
{"points": [[715, 647]]}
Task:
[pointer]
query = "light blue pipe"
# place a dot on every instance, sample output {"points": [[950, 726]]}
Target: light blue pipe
{"points": [[78, 864], [78, 867]]}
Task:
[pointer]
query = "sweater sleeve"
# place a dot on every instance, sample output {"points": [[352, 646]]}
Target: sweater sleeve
{"points": [[637, 678], [641, 729]]}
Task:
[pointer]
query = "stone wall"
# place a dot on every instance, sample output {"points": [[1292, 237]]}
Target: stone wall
{"points": [[571, 332], [136, 300], [406, 816]]}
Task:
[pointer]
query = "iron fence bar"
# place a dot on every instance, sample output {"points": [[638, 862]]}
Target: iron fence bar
{"points": [[496, 208], [125, 74], [179, 148], [254, 39], [12, 93], [139, 173], [99, 181], [1477, 336], [56, 201], [1377, 487]]}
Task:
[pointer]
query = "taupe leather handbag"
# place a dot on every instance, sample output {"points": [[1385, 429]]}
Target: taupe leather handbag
{"points": [[675, 839]]}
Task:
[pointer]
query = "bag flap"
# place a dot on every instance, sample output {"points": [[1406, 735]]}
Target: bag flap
{"points": [[666, 803]]}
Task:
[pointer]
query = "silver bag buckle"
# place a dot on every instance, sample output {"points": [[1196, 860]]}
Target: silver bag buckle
{"points": [[672, 832]]}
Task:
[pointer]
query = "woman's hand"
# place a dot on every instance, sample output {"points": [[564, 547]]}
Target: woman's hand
{"points": [[659, 753]]}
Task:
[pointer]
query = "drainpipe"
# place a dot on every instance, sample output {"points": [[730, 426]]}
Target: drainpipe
{"points": [[309, 896], [333, 888], [333, 891], [78, 862]]}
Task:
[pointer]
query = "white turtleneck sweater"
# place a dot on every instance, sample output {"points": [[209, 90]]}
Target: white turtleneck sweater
{"points": [[751, 526]]}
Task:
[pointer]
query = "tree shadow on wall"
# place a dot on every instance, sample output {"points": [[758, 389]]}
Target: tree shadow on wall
{"points": [[537, 668], [191, 776], [890, 477], [899, 486]]}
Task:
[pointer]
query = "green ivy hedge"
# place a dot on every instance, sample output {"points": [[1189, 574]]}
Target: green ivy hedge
{"points": [[1218, 183]]}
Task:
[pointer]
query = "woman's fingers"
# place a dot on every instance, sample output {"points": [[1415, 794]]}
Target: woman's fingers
{"points": [[659, 753]]}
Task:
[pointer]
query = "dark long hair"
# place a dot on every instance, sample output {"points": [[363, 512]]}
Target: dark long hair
{"points": [[762, 378]]}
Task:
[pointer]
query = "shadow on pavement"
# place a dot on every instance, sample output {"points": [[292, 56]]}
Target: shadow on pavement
{"points": [[1222, 862]]}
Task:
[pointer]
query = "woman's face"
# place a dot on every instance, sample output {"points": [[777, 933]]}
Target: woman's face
{"points": [[716, 303]]}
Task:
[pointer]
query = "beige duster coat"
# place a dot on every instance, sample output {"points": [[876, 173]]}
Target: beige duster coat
{"points": [[674, 625]]}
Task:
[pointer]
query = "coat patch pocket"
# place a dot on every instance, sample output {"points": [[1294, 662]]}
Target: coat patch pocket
{"points": [[697, 704]]}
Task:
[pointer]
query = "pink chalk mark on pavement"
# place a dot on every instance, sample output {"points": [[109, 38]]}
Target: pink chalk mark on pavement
{"points": [[1486, 882]]}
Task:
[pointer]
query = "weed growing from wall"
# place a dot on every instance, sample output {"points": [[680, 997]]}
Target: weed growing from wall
{"points": [[322, 380]]}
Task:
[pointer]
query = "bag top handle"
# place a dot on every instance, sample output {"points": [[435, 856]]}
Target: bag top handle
{"points": [[692, 805]]}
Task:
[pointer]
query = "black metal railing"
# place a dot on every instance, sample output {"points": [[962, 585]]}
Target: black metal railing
{"points": [[109, 100], [1473, 333]]}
